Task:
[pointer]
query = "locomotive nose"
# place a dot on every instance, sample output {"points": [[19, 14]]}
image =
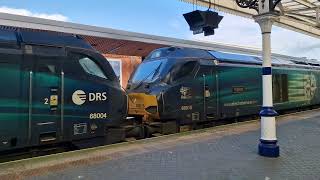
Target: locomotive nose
{"points": [[144, 105]]}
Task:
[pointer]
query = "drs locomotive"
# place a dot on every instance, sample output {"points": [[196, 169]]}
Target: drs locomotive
{"points": [[176, 88], [56, 89]]}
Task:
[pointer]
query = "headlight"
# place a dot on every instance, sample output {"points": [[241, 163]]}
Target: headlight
{"points": [[152, 109]]}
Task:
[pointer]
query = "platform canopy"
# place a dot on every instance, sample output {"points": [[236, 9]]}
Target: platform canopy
{"points": [[113, 41], [298, 15]]}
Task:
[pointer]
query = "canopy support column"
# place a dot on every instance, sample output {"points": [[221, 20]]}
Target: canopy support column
{"points": [[268, 142]]}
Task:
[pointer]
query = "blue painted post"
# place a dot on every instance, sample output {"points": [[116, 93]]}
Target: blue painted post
{"points": [[268, 142]]}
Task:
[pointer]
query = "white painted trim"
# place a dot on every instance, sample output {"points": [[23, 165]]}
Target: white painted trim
{"points": [[117, 60], [267, 91], [268, 128]]}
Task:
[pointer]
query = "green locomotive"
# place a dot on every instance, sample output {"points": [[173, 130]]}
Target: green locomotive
{"points": [[175, 86], [56, 89]]}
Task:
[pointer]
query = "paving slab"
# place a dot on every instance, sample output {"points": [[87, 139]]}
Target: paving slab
{"points": [[225, 152]]}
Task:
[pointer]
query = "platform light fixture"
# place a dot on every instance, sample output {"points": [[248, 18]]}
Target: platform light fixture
{"points": [[203, 21]]}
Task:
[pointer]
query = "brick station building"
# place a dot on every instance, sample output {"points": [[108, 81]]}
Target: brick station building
{"points": [[123, 49], [123, 55]]}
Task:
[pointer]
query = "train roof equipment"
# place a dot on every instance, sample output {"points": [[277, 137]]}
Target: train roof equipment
{"points": [[226, 57], [12, 38]]}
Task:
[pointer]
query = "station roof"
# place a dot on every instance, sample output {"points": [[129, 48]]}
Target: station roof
{"points": [[105, 45], [112, 41], [298, 15]]}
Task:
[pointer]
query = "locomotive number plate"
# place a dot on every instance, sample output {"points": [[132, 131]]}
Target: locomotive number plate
{"points": [[186, 108], [98, 115]]}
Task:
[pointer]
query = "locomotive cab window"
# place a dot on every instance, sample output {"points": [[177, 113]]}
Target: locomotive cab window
{"points": [[184, 70], [91, 67], [149, 71], [47, 68]]}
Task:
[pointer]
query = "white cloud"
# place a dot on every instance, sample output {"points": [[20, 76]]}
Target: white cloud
{"points": [[175, 24], [25, 12], [245, 32], [296, 44], [234, 30]]}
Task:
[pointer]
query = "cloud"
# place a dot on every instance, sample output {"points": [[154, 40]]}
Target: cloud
{"points": [[234, 30], [175, 24], [25, 12], [295, 44], [245, 32]]}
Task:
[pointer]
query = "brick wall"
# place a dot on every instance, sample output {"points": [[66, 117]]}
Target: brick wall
{"points": [[129, 63]]}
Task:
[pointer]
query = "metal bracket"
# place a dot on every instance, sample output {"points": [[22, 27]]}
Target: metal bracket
{"points": [[254, 4], [251, 4]]}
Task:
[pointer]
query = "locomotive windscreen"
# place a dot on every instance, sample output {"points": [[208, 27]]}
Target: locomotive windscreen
{"points": [[149, 71]]}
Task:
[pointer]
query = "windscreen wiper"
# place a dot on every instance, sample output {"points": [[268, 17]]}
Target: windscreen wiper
{"points": [[156, 71]]}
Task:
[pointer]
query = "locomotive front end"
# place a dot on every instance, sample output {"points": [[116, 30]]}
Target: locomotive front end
{"points": [[144, 106], [172, 87], [146, 87]]}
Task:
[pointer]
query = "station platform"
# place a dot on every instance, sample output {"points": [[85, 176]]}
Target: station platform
{"points": [[224, 152]]}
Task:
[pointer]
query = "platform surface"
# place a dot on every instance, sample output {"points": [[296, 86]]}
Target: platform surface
{"points": [[227, 152]]}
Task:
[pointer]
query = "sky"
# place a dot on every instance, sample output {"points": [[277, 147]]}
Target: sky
{"points": [[162, 18]]}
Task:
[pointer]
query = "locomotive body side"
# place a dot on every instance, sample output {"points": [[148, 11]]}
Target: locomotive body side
{"points": [[240, 89], [56, 90], [295, 88]]}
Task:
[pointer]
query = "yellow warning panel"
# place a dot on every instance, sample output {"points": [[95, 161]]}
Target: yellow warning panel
{"points": [[143, 105]]}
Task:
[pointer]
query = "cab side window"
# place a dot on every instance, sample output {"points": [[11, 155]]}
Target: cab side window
{"points": [[47, 68], [185, 70], [91, 67]]}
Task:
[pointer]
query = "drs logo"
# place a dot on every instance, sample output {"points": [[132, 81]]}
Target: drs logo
{"points": [[79, 97]]}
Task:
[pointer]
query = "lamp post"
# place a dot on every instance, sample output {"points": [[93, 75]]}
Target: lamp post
{"points": [[268, 146]]}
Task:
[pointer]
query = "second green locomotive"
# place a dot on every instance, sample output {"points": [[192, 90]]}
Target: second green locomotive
{"points": [[174, 86]]}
